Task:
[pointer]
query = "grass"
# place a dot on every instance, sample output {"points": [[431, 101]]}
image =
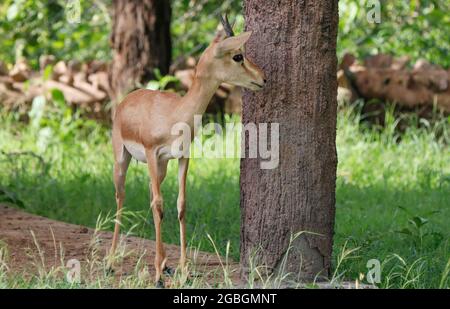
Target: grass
{"points": [[393, 191]]}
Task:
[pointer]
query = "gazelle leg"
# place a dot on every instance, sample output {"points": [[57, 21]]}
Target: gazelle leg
{"points": [[162, 170], [120, 172], [183, 164], [157, 170]]}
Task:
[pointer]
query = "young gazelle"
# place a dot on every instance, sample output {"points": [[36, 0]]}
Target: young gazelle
{"points": [[144, 120]]}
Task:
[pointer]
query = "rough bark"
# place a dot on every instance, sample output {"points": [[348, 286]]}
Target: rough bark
{"points": [[140, 41], [295, 44]]}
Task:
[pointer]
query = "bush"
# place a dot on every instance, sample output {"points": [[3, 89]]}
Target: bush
{"points": [[419, 29]]}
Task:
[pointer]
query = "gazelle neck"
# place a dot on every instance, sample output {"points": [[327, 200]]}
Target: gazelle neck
{"points": [[199, 95]]}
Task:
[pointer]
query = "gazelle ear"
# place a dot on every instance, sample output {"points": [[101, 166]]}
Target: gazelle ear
{"points": [[231, 43], [220, 36]]}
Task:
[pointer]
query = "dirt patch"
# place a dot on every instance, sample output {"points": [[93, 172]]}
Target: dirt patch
{"points": [[17, 229]]}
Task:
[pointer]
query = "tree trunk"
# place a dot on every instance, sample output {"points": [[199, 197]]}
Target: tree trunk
{"points": [[141, 42], [294, 41]]}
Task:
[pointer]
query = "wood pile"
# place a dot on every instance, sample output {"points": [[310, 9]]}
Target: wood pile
{"points": [[388, 79], [86, 85], [381, 78], [83, 84]]}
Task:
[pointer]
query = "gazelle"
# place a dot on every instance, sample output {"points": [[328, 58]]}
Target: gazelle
{"points": [[144, 119]]}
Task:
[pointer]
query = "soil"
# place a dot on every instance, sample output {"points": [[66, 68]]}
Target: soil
{"points": [[25, 251]]}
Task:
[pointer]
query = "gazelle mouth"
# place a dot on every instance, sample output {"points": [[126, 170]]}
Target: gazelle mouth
{"points": [[256, 84]]}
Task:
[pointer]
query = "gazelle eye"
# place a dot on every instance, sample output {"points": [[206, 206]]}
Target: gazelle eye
{"points": [[238, 58]]}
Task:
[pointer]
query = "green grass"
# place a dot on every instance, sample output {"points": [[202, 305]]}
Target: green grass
{"points": [[393, 196], [393, 191]]}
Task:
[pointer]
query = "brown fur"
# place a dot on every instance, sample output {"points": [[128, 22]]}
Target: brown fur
{"points": [[145, 118]]}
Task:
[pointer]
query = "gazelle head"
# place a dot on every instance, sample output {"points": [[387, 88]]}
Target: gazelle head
{"points": [[225, 61]]}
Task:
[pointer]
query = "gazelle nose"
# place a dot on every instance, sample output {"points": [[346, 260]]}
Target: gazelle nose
{"points": [[265, 80]]}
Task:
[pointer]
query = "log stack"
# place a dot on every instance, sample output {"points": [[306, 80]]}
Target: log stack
{"points": [[83, 84], [86, 85], [381, 78], [387, 79]]}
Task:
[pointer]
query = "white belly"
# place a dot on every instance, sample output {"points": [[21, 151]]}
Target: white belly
{"points": [[136, 150], [165, 153]]}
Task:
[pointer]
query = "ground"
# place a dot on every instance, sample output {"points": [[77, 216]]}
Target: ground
{"points": [[28, 237], [25, 250]]}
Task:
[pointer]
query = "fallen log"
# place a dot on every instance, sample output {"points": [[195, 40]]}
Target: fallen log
{"points": [[71, 94], [80, 82], [100, 81]]}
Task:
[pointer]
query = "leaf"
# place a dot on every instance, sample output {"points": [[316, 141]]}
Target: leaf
{"points": [[418, 221], [58, 98], [153, 85], [48, 72], [13, 11], [157, 73], [58, 44], [166, 80]]}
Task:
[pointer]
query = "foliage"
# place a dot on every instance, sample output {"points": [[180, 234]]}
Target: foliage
{"points": [[34, 27], [31, 28], [194, 23], [392, 196], [419, 29]]}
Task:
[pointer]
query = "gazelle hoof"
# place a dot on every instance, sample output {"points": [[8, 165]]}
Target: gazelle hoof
{"points": [[110, 271], [168, 271], [159, 284]]}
